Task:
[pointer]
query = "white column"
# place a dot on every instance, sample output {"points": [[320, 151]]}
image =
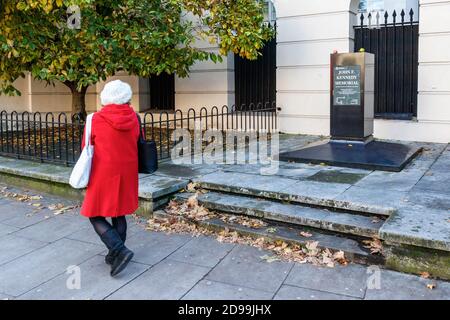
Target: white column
{"points": [[434, 68]]}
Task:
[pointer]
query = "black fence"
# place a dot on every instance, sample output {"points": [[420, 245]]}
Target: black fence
{"points": [[56, 138], [394, 41], [255, 80]]}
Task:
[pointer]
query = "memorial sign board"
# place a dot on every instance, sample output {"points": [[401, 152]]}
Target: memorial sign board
{"points": [[347, 86]]}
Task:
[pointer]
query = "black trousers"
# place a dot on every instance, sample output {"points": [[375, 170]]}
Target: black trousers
{"points": [[101, 225]]}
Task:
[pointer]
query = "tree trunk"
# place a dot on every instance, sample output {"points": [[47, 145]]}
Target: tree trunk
{"points": [[78, 100]]}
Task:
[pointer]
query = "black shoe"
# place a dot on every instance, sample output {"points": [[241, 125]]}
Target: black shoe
{"points": [[113, 242], [109, 259], [121, 260]]}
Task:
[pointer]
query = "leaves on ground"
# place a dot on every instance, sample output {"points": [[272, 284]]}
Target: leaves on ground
{"points": [[271, 230], [191, 187], [184, 217], [424, 275], [431, 286], [375, 245], [306, 234]]}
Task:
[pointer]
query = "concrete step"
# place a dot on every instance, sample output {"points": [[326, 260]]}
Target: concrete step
{"points": [[311, 193], [340, 222], [353, 249]]}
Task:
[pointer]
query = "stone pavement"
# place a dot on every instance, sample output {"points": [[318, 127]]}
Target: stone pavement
{"points": [[37, 248]]}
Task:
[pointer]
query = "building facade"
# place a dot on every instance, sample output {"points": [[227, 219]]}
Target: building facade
{"points": [[413, 83]]}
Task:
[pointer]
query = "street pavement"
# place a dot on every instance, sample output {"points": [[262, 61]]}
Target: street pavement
{"points": [[44, 255]]}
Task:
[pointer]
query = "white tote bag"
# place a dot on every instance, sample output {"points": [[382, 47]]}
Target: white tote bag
{"points": [[79, 178]]}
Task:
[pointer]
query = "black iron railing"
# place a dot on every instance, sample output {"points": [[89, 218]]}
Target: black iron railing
{"points": [[56, 137], [394, 41]]}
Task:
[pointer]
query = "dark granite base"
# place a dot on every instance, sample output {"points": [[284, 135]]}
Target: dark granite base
{"points": [[375, 155]]}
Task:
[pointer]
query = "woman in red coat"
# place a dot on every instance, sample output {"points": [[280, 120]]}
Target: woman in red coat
{"points": [[112, 191]]}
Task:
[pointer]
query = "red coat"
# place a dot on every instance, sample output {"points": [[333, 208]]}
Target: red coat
{"points": [[113, 183]]}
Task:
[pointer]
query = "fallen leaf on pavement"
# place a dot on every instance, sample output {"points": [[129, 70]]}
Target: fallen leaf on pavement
{"points": [[375, 246], [271, 230], [431, 286], [306, 234], [424, 275], [191, 187]]}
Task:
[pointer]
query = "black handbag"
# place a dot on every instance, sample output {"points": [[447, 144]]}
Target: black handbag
{"points": [[147, 154]]}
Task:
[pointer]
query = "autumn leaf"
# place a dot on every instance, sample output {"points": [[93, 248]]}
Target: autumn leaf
{"points": [[424, 275], [375, 246], [271, 230], [431, 286], [306, 234]]}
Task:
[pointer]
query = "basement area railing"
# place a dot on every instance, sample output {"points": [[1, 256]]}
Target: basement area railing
{"points": [[56, 137]]}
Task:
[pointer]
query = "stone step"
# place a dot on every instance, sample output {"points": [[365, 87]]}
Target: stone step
{"points": [[311, 193], [340, 222], [353, 249]]}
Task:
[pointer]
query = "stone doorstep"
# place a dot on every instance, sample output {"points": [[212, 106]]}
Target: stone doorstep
{"points": [[154, 190], [340, 222], [397, 256], [353, 249], [307, 200]]}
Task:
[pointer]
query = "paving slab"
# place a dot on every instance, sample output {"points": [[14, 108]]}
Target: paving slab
{"points": [[400, 286], [315, 190], [246, 183], [420, 226], [428, 199], [398, 181], [287, 292], [152, 247], [154, 186], [95, 282], [184, 171], [5, 297], [212, 290], [377, 201], [347, 280], [41, 265], [25, 219], [36, 170], [169, 280], [202, 251], [13, 209], [5, 229], [243, 266], [14, 247], [53, 229], [88, 234], [436, 181]]}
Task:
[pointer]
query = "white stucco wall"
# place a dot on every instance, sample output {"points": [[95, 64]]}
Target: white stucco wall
{"points": [[308, 31]]}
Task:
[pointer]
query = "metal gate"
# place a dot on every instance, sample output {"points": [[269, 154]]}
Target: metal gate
{"points": [[162, 92], [395, 45], [255, 80]]}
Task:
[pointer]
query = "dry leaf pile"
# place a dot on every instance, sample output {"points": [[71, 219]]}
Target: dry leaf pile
{"points": [[375, 246], [176, 222]]}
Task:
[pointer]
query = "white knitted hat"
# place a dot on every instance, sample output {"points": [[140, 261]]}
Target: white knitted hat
{"points": [[116, 92]]}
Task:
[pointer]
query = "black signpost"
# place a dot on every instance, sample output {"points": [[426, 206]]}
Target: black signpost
{"points": [[352, 121]]}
